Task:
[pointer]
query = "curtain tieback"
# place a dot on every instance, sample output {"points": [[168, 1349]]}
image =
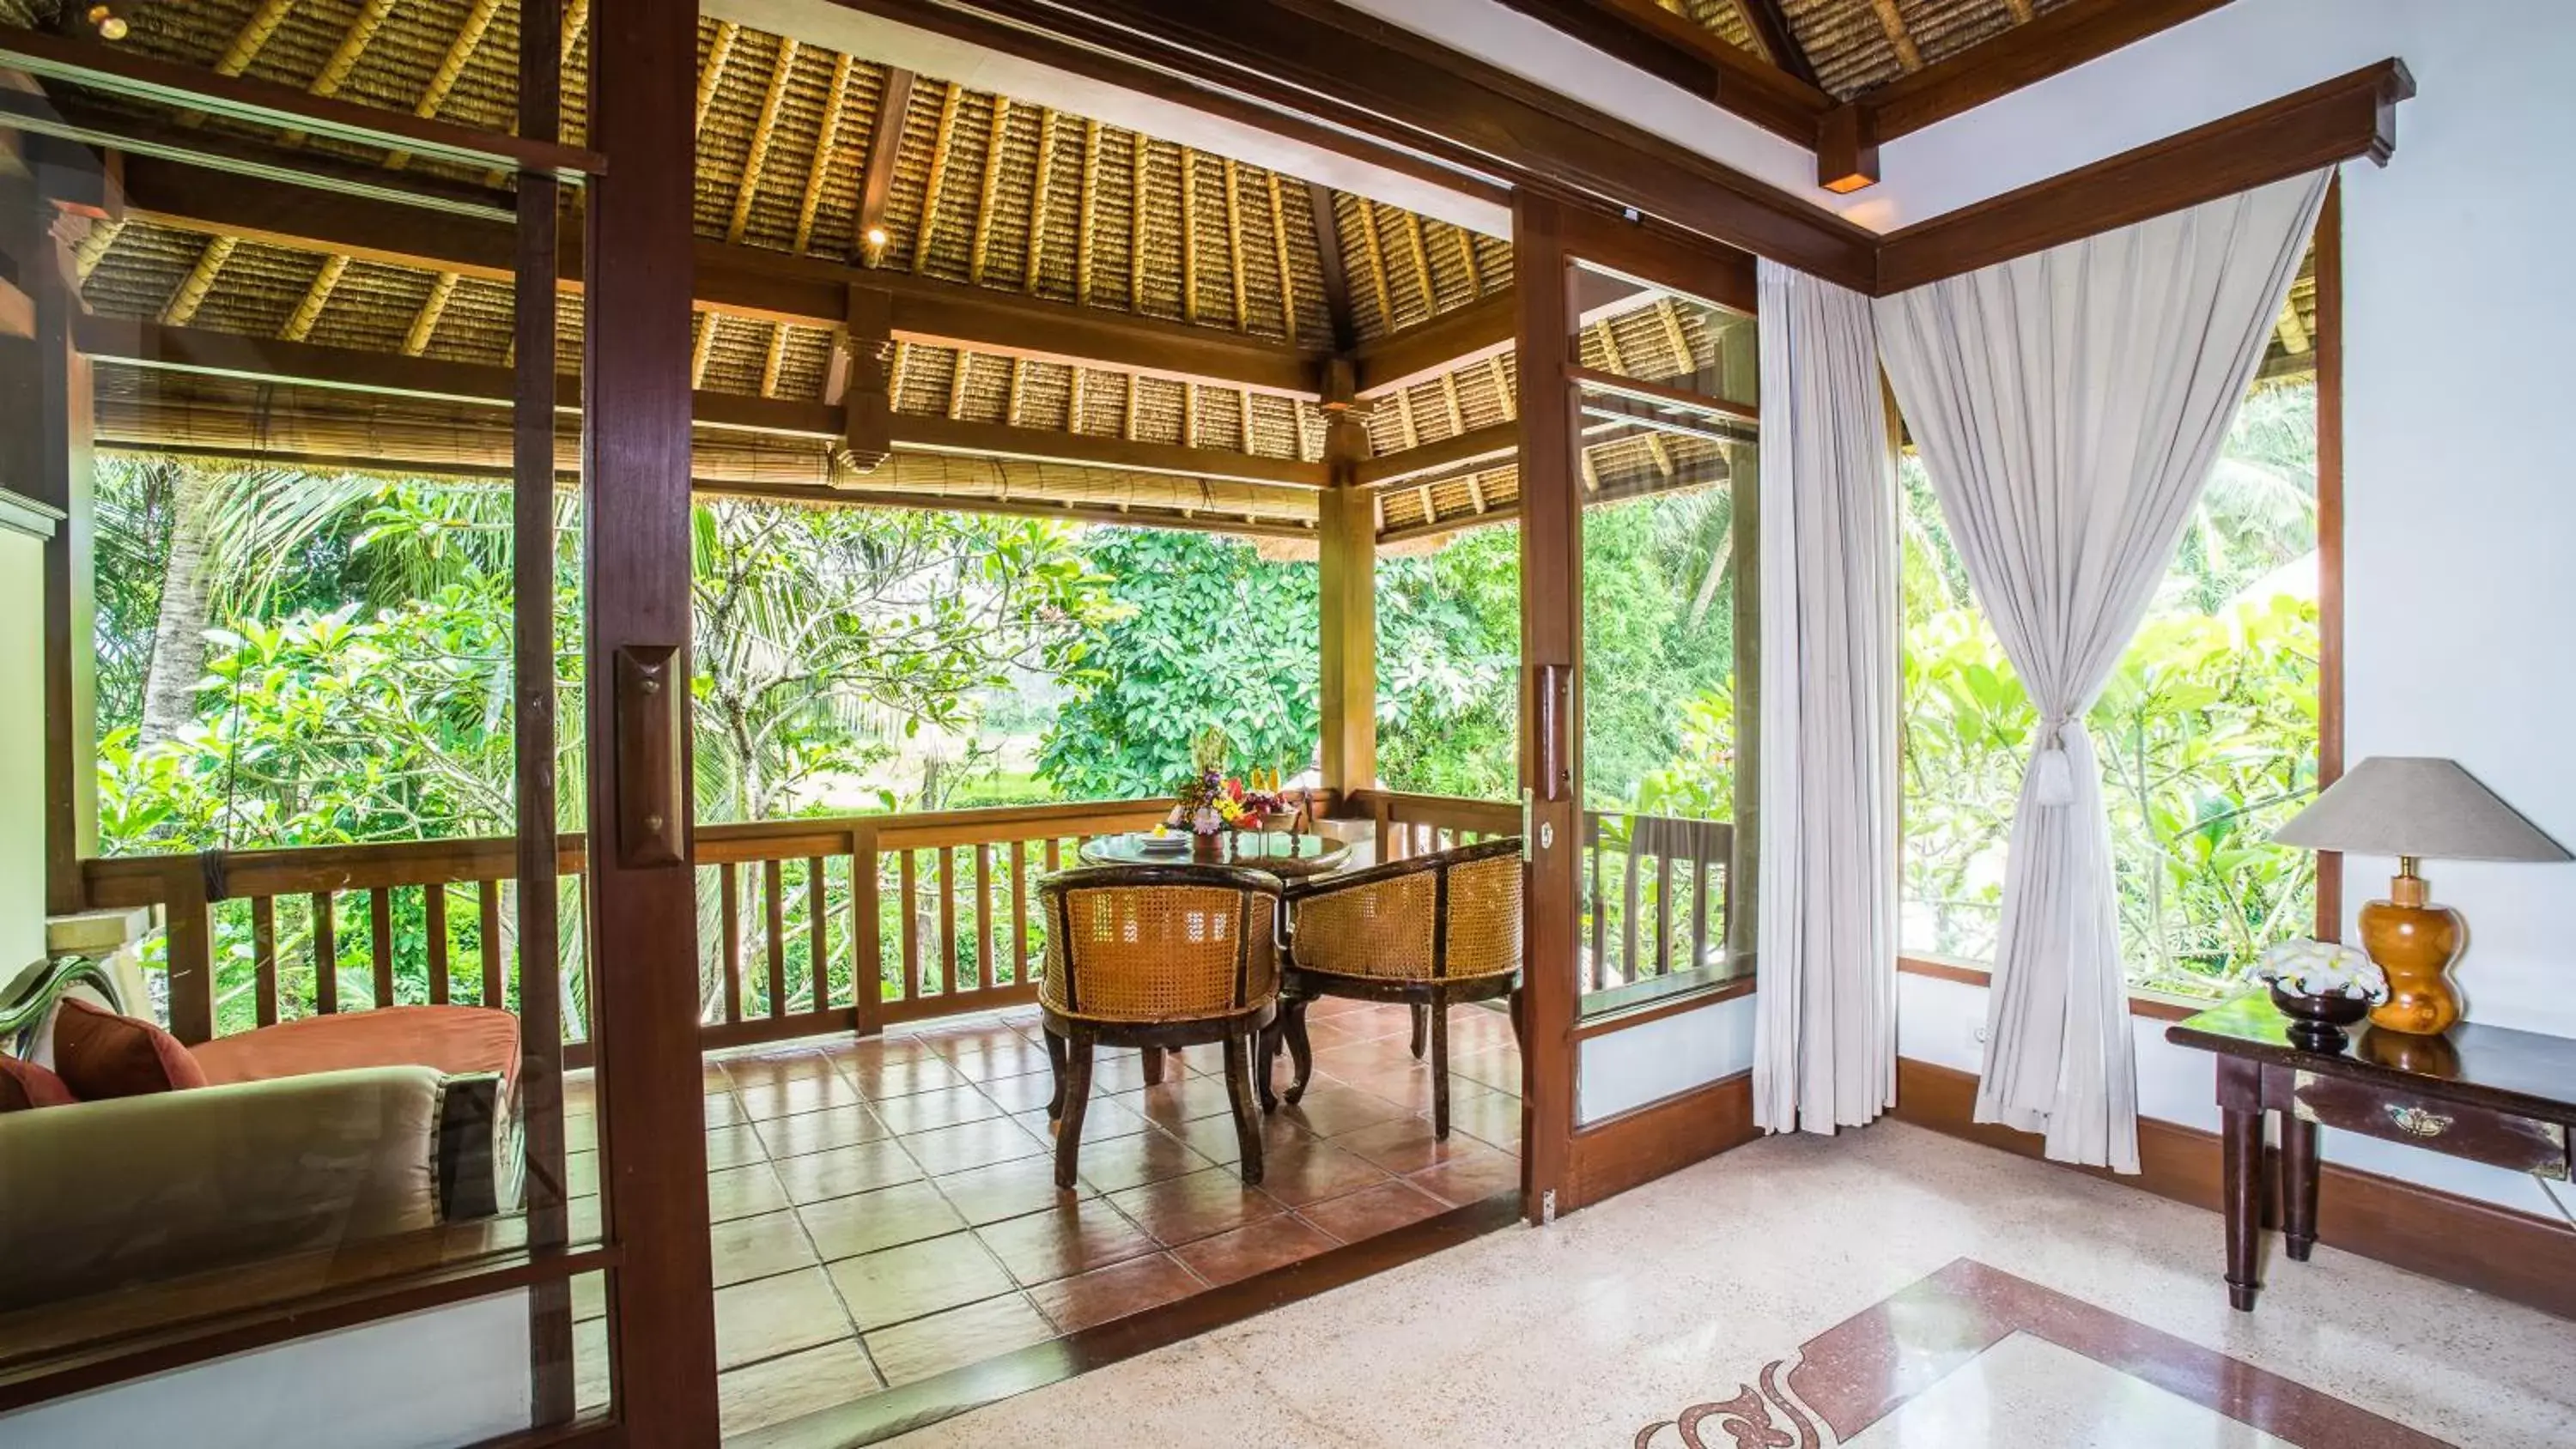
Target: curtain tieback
{"points": [[2052, 774]]}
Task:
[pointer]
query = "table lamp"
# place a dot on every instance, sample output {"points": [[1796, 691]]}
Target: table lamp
{"points": [[2411, 808]]}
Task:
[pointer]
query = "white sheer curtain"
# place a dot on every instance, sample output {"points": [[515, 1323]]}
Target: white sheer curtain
{"points": [[1824, 1048], [2069, 406]]}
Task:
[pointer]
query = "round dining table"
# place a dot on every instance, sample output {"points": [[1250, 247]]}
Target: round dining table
{"points": [[1278, 852]]}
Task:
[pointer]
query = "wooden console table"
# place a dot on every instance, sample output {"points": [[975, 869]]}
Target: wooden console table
{"points": [[2485, 1093]]}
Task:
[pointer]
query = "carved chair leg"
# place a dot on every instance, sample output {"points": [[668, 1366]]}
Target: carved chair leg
{"points": [[1265, 1059], [1153, 1066], [1520, 1033], [1247, 1121], [1301, 1052], [1420, 1023], [1055, 1072], [1077, 1091], [1439, 1010]]}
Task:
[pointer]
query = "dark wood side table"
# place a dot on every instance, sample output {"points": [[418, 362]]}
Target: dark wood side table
{"points": [[2485, 1093]]}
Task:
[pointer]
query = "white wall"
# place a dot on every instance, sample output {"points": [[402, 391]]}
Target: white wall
{"points": [[22, 752], [1627, 1069], [2460, 514], [450, 1376]]}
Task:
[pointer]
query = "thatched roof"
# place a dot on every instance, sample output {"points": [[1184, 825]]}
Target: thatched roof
{"points": [[981, 195]]}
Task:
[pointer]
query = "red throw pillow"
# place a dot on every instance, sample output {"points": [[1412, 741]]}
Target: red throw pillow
{"points": [[100, 1054], [24, 1085]]}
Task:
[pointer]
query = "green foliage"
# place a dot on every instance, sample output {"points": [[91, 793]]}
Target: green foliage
{"points": [[1199, 631], [1449, 666]]}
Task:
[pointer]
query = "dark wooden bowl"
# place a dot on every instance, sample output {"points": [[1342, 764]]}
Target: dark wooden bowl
{"points": [[2317, 1022]]}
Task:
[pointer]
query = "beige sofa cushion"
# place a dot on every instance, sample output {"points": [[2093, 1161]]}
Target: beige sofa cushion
{"points": [[100, 1195]]}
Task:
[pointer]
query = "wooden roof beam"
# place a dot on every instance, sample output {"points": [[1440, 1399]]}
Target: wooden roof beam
{"points": [[1671, 47], [1328, 256], [2062, 39], [1770, 25], [231, 355], [1459, 336], [763, 131], [739, 280], [876, 173]]}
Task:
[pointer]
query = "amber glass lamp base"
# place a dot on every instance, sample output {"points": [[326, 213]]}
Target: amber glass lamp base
{"points": [[2414, 942]]}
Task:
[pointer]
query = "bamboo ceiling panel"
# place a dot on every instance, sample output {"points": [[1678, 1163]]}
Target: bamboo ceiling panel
{"points": [[1854, 44]]}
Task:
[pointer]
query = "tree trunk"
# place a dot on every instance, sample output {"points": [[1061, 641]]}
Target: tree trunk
{"points": [[187, 599]]}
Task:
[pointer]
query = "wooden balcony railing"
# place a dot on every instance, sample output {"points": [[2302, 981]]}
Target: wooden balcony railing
{"points": [[936, 908], [796, 915], [1656, 888]]}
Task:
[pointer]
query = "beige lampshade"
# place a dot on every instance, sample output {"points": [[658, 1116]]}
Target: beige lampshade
{"points": [[2431, 808]]}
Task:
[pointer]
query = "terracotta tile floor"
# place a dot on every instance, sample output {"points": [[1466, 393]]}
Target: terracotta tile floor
{"points": [[885, 1210]]}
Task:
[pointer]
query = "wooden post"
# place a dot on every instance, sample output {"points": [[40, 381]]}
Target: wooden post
{"points": [[1347, 539], [551, 1370], [635, 571], [1551, 659], [52, 446]]}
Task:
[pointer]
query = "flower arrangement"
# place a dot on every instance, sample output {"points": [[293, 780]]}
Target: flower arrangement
{"points": [[1212, 802], [2322, 968]]}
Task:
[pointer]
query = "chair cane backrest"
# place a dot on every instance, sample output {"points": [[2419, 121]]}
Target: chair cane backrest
{"points": [[1447, 916], [1155, 943]]}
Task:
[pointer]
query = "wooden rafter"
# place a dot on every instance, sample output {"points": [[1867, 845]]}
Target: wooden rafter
{"points": [[1610, 351], [1328, 256], [984, 193], [353, 46], [957, 374], [424, 323], [1907, 55], [711, 73], [877, 168], [93, 246], [2294, 333], [763, 131], [827, 145], [1041, 202], [1770, 26], [1376, 263], [576, 23], [1449, 398], [2020, 11], [1234, 241], [1082, 224], [1503, 387], [1421, 257], [191, 291], [1279, 246], [938, 181], [1140, 159], [702, 346], [299, 324], [451, 68], [1467, 259], [1127, 419], [1073, 401], [252, 37], [1189, 234], [775, 362]]}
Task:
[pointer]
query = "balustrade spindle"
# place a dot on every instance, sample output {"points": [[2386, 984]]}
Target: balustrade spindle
{"points": [[326, 955], [487, 902], [729, 921], [380, 923], [948, 920], [909, 889], [984, 914], [774, 915], [818, 932], [433, 899], [263, 951]]}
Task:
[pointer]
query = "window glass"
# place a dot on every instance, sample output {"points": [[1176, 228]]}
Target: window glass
{"points": [[2207, 731]]}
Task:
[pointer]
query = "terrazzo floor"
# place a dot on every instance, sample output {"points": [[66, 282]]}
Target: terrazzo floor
{"points": [[1885, 1287]]}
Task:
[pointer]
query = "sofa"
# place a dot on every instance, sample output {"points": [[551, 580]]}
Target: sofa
{"points": [[306, 1136]]}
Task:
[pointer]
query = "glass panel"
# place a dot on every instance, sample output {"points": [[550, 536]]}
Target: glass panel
{"points": [[1662, 341], [289, 473], [1662, 621], [2207, 731]]}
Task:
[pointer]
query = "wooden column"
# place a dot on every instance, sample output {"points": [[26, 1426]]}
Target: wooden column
{"points": [[1551, 662], [2328, 340], [50, 442], [532, 587], [635, 572], [1347, 577]]}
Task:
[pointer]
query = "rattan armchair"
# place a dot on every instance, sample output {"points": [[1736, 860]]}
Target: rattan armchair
{"points": [[1428, 931], [1155, 957]]}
